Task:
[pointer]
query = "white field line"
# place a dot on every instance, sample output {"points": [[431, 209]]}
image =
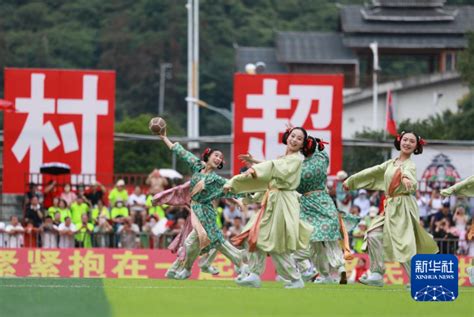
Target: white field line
{"points": [[198, 287]]}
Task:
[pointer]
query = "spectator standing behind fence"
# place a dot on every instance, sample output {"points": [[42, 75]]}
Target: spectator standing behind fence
{"points": [[100, 210], [343, 198], [362, 202], [54, 208], [33, 191], [157, 211], [230, 212], [49, 193], [95, 193], [119, 212], [30, 237], [78, 208], [118, 192], [443, 213], [3, 240], [358, 236], [435, 203], [57, 219], [460, 225], [84, 233], [14, 232], [64, 210], [66, 233], [102, 232], [235, 228], [34, 212], [49, 234], [137, 205], [423, 206], [128, 234], [68, 195], [156, 182]]}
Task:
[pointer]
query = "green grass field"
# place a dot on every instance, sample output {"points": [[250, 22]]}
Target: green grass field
{"points": [[38, 297]]}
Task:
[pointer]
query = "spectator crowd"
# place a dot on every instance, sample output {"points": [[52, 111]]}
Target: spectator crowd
{"points": [[66, 216]]}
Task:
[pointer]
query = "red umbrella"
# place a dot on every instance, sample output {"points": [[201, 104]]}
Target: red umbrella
{"points": [[6, 105]]}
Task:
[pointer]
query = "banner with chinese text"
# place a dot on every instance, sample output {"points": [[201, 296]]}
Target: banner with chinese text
{"points": [[263, 104], [145, 263], [62, 116]]}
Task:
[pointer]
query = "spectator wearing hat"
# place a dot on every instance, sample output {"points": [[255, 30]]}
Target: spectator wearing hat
{"points": [[373, 212], [119, 211], [118, 192], [363, 202], [343, 198]]}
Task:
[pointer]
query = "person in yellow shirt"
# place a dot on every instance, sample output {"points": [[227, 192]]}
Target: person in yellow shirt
{"points": [[78, 208], [158, 210], [84, 232], [119, 192], [54, 208], [63, 210], [119, 212], [100, 210]]}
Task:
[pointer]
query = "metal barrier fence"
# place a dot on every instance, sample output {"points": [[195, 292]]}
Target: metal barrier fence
{"points": [[131, 240]]}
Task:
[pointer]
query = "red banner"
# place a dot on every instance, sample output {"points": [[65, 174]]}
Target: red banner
{"points": [[144, 263], [59, 116], [263, 104]]}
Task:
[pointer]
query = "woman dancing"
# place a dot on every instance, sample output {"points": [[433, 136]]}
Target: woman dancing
{"points": [[319, 210], [205, 186], [276, 229], [181, 196], [464, 188], [395, 236]]}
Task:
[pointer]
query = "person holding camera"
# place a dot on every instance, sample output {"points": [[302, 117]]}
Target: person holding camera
{"points": [[49, 234]]}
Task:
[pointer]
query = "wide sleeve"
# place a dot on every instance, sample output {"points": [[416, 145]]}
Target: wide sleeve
{"points": [[189, 158], [179, 195], [371, 178], [409, 171], [464, 188], [252, 183]]}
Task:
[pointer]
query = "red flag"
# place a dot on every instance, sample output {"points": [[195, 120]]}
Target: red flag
{"points": [[6, 105], [390, 124]]}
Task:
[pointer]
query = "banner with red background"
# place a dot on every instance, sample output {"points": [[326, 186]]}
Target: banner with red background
{"points": [[264, 103], [60, 116], [145, 263]]}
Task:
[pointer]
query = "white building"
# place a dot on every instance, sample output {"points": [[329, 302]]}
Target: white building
{"points": [[412, 98]]}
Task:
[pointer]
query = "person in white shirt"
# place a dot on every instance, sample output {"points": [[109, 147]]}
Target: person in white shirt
{"points": [[3, 240], [49, 234], [137, 204], [128, 234], [66, 234], [362, 202], [15, 233]]}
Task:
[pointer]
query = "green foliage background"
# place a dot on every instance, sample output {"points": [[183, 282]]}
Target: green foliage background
{"points": [[133, 37]]}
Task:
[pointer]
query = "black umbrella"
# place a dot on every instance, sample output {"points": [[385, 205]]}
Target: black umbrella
{"points": [[55, 168]]}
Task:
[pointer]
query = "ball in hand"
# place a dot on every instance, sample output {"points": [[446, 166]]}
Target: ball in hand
{"points": [[157, 126]]}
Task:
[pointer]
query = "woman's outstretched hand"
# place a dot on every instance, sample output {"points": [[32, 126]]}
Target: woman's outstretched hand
{"points": [[248, 158]]}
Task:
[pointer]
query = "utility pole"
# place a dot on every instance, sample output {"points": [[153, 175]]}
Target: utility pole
{"points": [[164, 67]]}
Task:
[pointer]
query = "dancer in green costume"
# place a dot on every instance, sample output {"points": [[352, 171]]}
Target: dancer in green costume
{"points": [[277, 228], [395, 236]]}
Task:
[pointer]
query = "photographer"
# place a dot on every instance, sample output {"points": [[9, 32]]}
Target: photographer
{"points": [[128, 233]]}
